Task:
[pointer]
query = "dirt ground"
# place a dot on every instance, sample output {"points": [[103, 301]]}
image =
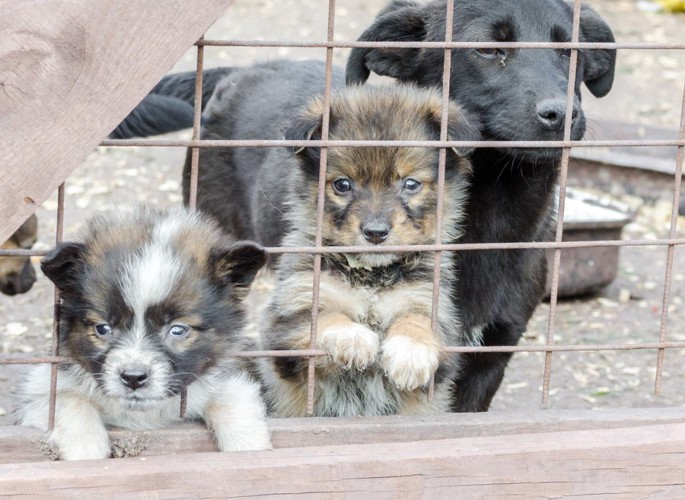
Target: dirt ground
{"points": [[648, 90]]}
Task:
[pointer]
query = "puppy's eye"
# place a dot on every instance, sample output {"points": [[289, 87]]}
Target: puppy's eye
{"points": [[179, 330], [491, 52], [342, 185], [102, 330], [565, 53], [411, 186]]}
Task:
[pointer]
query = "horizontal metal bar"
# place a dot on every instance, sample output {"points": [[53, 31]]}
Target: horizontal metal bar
{"points": [[444, 247], [449, 349], [439, 45], [360, 143]]}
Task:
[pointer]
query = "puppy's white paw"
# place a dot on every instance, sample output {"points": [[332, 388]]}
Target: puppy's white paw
{"points": [[256, 438], [88, 444], [350, 345], [407, 363]]}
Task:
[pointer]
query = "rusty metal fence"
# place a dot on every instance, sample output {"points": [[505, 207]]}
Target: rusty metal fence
{"points": [[550, 348]]}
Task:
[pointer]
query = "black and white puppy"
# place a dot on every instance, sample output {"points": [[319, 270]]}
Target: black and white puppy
{"points": [[150, 306]]}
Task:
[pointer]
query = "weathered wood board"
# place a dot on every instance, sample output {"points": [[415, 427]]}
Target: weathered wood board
{"points": [[70, 71], [629, 462]]}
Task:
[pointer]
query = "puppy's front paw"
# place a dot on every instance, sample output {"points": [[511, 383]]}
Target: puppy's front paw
{"points": [[352, 345], [86, 445], [407, 363]]}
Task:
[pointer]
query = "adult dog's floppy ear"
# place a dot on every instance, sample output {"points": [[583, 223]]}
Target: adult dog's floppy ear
{"points": [[61, 264], [597, 64], [399, 21], [237, 265]]}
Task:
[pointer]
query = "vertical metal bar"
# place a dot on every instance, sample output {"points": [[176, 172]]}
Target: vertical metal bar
{"points": [[563, 177], [59, 235], [442, 158], [311, 368], [195, 152], [663, 329], [194, 164]]}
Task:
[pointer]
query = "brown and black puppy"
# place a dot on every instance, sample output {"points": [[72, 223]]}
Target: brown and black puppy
{"points": [[150, 306], [374, 308], [16, 273]]}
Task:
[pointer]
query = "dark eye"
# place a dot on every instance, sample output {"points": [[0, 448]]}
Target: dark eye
{"points": [[491, 52], [411, 186], [102, 330], [342, 185], [179, 330]]}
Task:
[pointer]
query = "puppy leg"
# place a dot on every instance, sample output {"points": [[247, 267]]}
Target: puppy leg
{"points": [[349, 344], [79, 432], [237, 415], [410, 352]]}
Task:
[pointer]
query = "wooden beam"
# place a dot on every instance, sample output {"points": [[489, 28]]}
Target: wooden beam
{"points": [[22, 444], [70, 71], [627, 462]]}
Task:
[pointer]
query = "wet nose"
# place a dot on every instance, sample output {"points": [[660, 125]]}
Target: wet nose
{"points": [[133, 379], [552, 113], [375, 232]]}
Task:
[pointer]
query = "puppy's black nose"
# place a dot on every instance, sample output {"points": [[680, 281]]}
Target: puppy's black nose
{"points": [[375, 232], [552, 113], [134, 378]]}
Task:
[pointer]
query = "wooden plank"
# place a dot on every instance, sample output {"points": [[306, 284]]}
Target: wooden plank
{"points": [[70, 71], [629, 462], [21, 444]]}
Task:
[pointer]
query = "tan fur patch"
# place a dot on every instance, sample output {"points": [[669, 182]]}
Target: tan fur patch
{"points": [[416, 327]]}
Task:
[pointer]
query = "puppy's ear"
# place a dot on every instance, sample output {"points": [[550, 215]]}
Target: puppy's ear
{"points": [[62, 264], [597, 64], [237, 265], [306, 127], [461, 126], [400, 21]]}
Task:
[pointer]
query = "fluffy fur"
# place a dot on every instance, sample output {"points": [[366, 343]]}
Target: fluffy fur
{"points": [[16, 273], [375, 308], [517, 94], [150, 306]]}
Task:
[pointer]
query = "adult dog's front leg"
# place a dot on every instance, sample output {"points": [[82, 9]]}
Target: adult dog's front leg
{"points": [[348, 344], [410, 352]]}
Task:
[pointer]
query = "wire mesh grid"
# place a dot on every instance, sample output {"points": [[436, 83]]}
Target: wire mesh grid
{"points": [[557, 245]]}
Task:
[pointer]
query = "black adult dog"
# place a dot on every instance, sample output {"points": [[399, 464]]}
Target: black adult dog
{"points": [[518, 94]]}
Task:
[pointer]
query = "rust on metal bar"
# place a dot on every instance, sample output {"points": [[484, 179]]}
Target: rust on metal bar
{"points": [[273, 143], [59, 235], [321, 193], [563, 180], [442, 45], [663, 328], [197, 117]]}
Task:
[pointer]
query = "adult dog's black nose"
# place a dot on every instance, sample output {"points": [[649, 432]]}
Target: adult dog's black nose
{"points": [[375, 232], [552, 113], [134, 378]]}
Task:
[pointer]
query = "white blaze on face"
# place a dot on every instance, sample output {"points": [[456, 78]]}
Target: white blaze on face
{"points": [[151, 275]]}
